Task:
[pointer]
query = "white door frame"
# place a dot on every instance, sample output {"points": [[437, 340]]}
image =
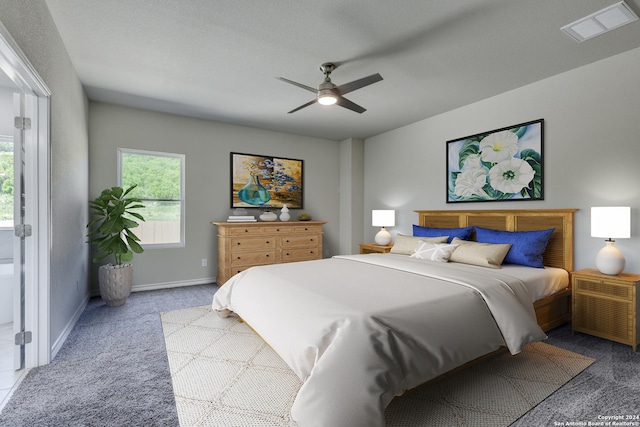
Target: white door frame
{"points": [[38, 207]]}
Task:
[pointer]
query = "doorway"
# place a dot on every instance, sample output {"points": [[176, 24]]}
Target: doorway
{"points": [[24, 241]]}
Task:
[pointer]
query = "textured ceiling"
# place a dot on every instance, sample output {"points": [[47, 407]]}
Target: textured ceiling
{"points": [[219, 59]]}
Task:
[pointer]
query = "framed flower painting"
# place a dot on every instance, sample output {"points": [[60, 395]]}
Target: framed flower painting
{"points": [[265, 181], [502, 164]]}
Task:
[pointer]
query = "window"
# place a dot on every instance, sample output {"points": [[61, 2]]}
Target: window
{"points": [[6, 181], [160, 180]]}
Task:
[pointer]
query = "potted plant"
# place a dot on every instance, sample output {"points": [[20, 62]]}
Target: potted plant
{"points": [[110, 231]]}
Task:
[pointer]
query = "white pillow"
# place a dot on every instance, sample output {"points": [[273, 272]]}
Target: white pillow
{"points": [[440, 252], [406, 245]]}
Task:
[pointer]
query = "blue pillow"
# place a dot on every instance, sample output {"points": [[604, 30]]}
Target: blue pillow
{"points": [[460, 233], [527, 247]]}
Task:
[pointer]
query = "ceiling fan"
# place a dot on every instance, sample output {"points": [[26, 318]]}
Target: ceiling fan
{"points": [[328, 93]]}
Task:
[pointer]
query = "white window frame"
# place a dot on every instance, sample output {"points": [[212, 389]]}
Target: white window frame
{"points": [[122, 151]]}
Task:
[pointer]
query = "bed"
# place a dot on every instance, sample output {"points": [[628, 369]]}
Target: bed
{"points": [[356, 342]]}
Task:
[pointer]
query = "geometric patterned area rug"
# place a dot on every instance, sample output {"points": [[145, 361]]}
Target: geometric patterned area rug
{"points": [[223, 374]]}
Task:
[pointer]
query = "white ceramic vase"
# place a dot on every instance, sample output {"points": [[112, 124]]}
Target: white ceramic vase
{"points": [[268, 216], [284, 213]]}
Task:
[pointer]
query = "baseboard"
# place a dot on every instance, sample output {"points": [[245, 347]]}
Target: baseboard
{"points": [[57, 345], [166, 285]]}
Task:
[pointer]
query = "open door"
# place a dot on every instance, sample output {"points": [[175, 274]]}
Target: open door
{"points": [[21, 232]]}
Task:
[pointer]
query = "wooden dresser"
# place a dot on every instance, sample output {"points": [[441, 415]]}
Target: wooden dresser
{"points": [[245, 244]]}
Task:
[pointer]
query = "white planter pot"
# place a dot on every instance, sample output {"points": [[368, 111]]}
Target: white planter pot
{"points": [[115, 283]]}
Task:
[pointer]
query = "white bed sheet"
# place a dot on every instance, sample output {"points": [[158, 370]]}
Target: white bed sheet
{"points": [[541, 282], [362, 329]]}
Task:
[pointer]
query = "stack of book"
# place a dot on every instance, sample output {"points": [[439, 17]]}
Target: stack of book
{"points": [[241, 218]]}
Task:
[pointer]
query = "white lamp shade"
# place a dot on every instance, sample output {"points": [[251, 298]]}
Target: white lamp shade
{"points": [[611, 222], [383, 218]]}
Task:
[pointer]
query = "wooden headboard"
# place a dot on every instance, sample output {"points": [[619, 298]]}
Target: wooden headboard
{"points": [[559, 251]]}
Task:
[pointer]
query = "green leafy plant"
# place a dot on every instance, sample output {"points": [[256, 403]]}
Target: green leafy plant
{"points": [[110, 230]]}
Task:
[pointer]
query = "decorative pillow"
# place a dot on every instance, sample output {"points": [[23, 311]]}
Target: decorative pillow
{"points": [[406, 245], [527, 247], [461, 233], [482, 254], [440, 252]]}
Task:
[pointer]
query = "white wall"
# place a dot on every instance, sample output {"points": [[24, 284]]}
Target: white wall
{"points": [[206, 146], [33, 29], [591, 151]]}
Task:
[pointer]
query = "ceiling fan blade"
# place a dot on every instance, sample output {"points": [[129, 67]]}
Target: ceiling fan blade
{"points": [[303, 106], [344, 102], [300, 85], [357, 84]]}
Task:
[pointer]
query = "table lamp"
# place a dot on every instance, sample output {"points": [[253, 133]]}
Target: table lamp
{"points": [[383, 218], [609, 223]]}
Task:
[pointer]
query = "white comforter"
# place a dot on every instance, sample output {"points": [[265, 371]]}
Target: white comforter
{"points": [[362, 329]]}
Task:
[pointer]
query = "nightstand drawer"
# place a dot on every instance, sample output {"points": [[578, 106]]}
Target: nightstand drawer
{"points": [[606, 318], [603, 288]]}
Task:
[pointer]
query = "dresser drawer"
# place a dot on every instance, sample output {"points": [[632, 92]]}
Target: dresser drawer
{"points": [[243, 231], [600, 287], [252, 243], [307, 229], [299, 241], [299, 254], [252, 258]]}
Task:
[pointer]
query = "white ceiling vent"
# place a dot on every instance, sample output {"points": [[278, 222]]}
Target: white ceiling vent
{"points": [[607, 19]]}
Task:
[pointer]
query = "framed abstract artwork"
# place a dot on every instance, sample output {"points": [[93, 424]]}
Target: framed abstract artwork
{"points": [[266, 181], [502, 164]]}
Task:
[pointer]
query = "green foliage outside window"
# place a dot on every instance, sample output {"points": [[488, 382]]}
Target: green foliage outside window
{"points": [[158, 180], [6, 181]]}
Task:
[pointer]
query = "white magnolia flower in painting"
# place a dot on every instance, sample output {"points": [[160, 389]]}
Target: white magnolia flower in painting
{"points": [[511, 176], [470, 182], [499, 146], [473, 161]]}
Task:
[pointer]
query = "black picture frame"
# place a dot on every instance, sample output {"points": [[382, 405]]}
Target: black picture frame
{"points": [[259, 181], [504, 164]]}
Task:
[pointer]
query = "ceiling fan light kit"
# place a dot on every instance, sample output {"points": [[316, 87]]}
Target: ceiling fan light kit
{"points": [[328, 93], [327, 97]]}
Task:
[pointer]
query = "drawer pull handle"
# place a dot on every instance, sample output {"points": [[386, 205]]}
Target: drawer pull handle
{"points": [[238, 243], [267, 242], [246, 231], [287, 240], [267, 255], [238, 258], [287, 253], [311, 240]]}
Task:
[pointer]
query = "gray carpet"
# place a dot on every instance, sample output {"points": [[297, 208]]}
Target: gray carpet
{"points": [[113, 371]]}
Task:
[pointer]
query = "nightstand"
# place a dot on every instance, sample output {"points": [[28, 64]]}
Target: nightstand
{"points": [[606, 306], [372, 248]]}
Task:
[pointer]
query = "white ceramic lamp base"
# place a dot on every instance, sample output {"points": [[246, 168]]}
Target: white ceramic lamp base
{"points": [[383, 238], [610, 260]]}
